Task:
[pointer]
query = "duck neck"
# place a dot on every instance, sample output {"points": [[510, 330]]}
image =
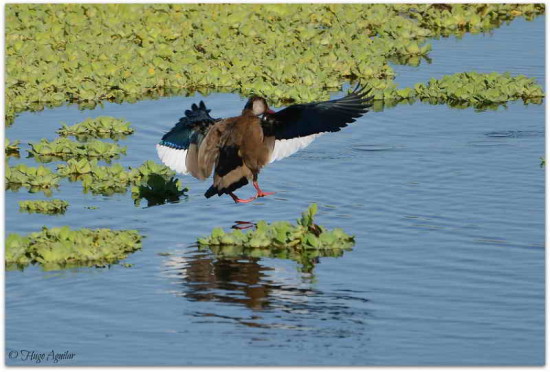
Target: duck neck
{"points": [[248, 112]]}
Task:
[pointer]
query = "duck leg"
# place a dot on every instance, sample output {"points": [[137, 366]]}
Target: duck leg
{"points": [[261, 193], [237, 200]]}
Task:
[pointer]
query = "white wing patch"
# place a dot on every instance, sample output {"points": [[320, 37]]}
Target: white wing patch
{"points": [[173, 158], [287, 147]]}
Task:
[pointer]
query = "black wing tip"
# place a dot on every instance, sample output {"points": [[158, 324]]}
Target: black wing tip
{"points": [[359, 98], [198, 111], [358, 88], [361, 90]]}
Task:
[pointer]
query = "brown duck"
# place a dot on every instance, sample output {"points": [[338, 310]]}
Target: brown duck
{"points": [[237, 148]]}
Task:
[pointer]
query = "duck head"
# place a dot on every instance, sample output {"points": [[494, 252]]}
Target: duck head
{"points": [[257, 106]]}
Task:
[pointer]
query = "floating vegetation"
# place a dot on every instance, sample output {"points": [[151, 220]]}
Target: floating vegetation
{"points": [[100, 127], [75, 167], [410, 49], [34, 178], [448, 19], [158, 190], [106, 180], [87, 53], [55, 206], [542, 162], [60, 247], [102, 180], [11, 148], [480, 89], [303, 242], [152, 181], [461, 90], [64, 148], [149, 168], [155, 183]]}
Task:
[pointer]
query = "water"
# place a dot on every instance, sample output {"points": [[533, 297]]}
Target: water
{"points": [[448, 211]]}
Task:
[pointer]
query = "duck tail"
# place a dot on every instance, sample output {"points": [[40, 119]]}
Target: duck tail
{"points": [[213, 190]]}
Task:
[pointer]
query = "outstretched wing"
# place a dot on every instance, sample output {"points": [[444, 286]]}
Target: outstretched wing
{"points": [[296, 126], [178, 148]]}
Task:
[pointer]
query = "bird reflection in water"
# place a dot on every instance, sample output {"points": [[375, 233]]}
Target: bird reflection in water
{"points": [[238, 280], [231, 280], [234, 274], [204, 276]]}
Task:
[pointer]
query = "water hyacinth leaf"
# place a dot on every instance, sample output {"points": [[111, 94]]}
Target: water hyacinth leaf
{"points": [[131, 53], [54, 206], [34, 178], [63, 149], [11, 148], [478, 89], [158, 190], [302, 242], [59, 248], [151, 181]]}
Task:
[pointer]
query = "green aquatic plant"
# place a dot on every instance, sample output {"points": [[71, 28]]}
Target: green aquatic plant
{"points": [[11, 148], [64, 148], [96, 179], [34, 178], [158, 190], [76, 167], [148, 168], [55, 206], [542, 162], [411, 48], [89, 53], [100, 127], [155, 183], [301, 242], [151, 181], [461, 90], [60, 247], [106, 180], [447, 19], [480, 89]]}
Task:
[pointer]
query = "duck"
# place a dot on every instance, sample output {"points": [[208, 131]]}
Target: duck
{"points": [[236, 149]]}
